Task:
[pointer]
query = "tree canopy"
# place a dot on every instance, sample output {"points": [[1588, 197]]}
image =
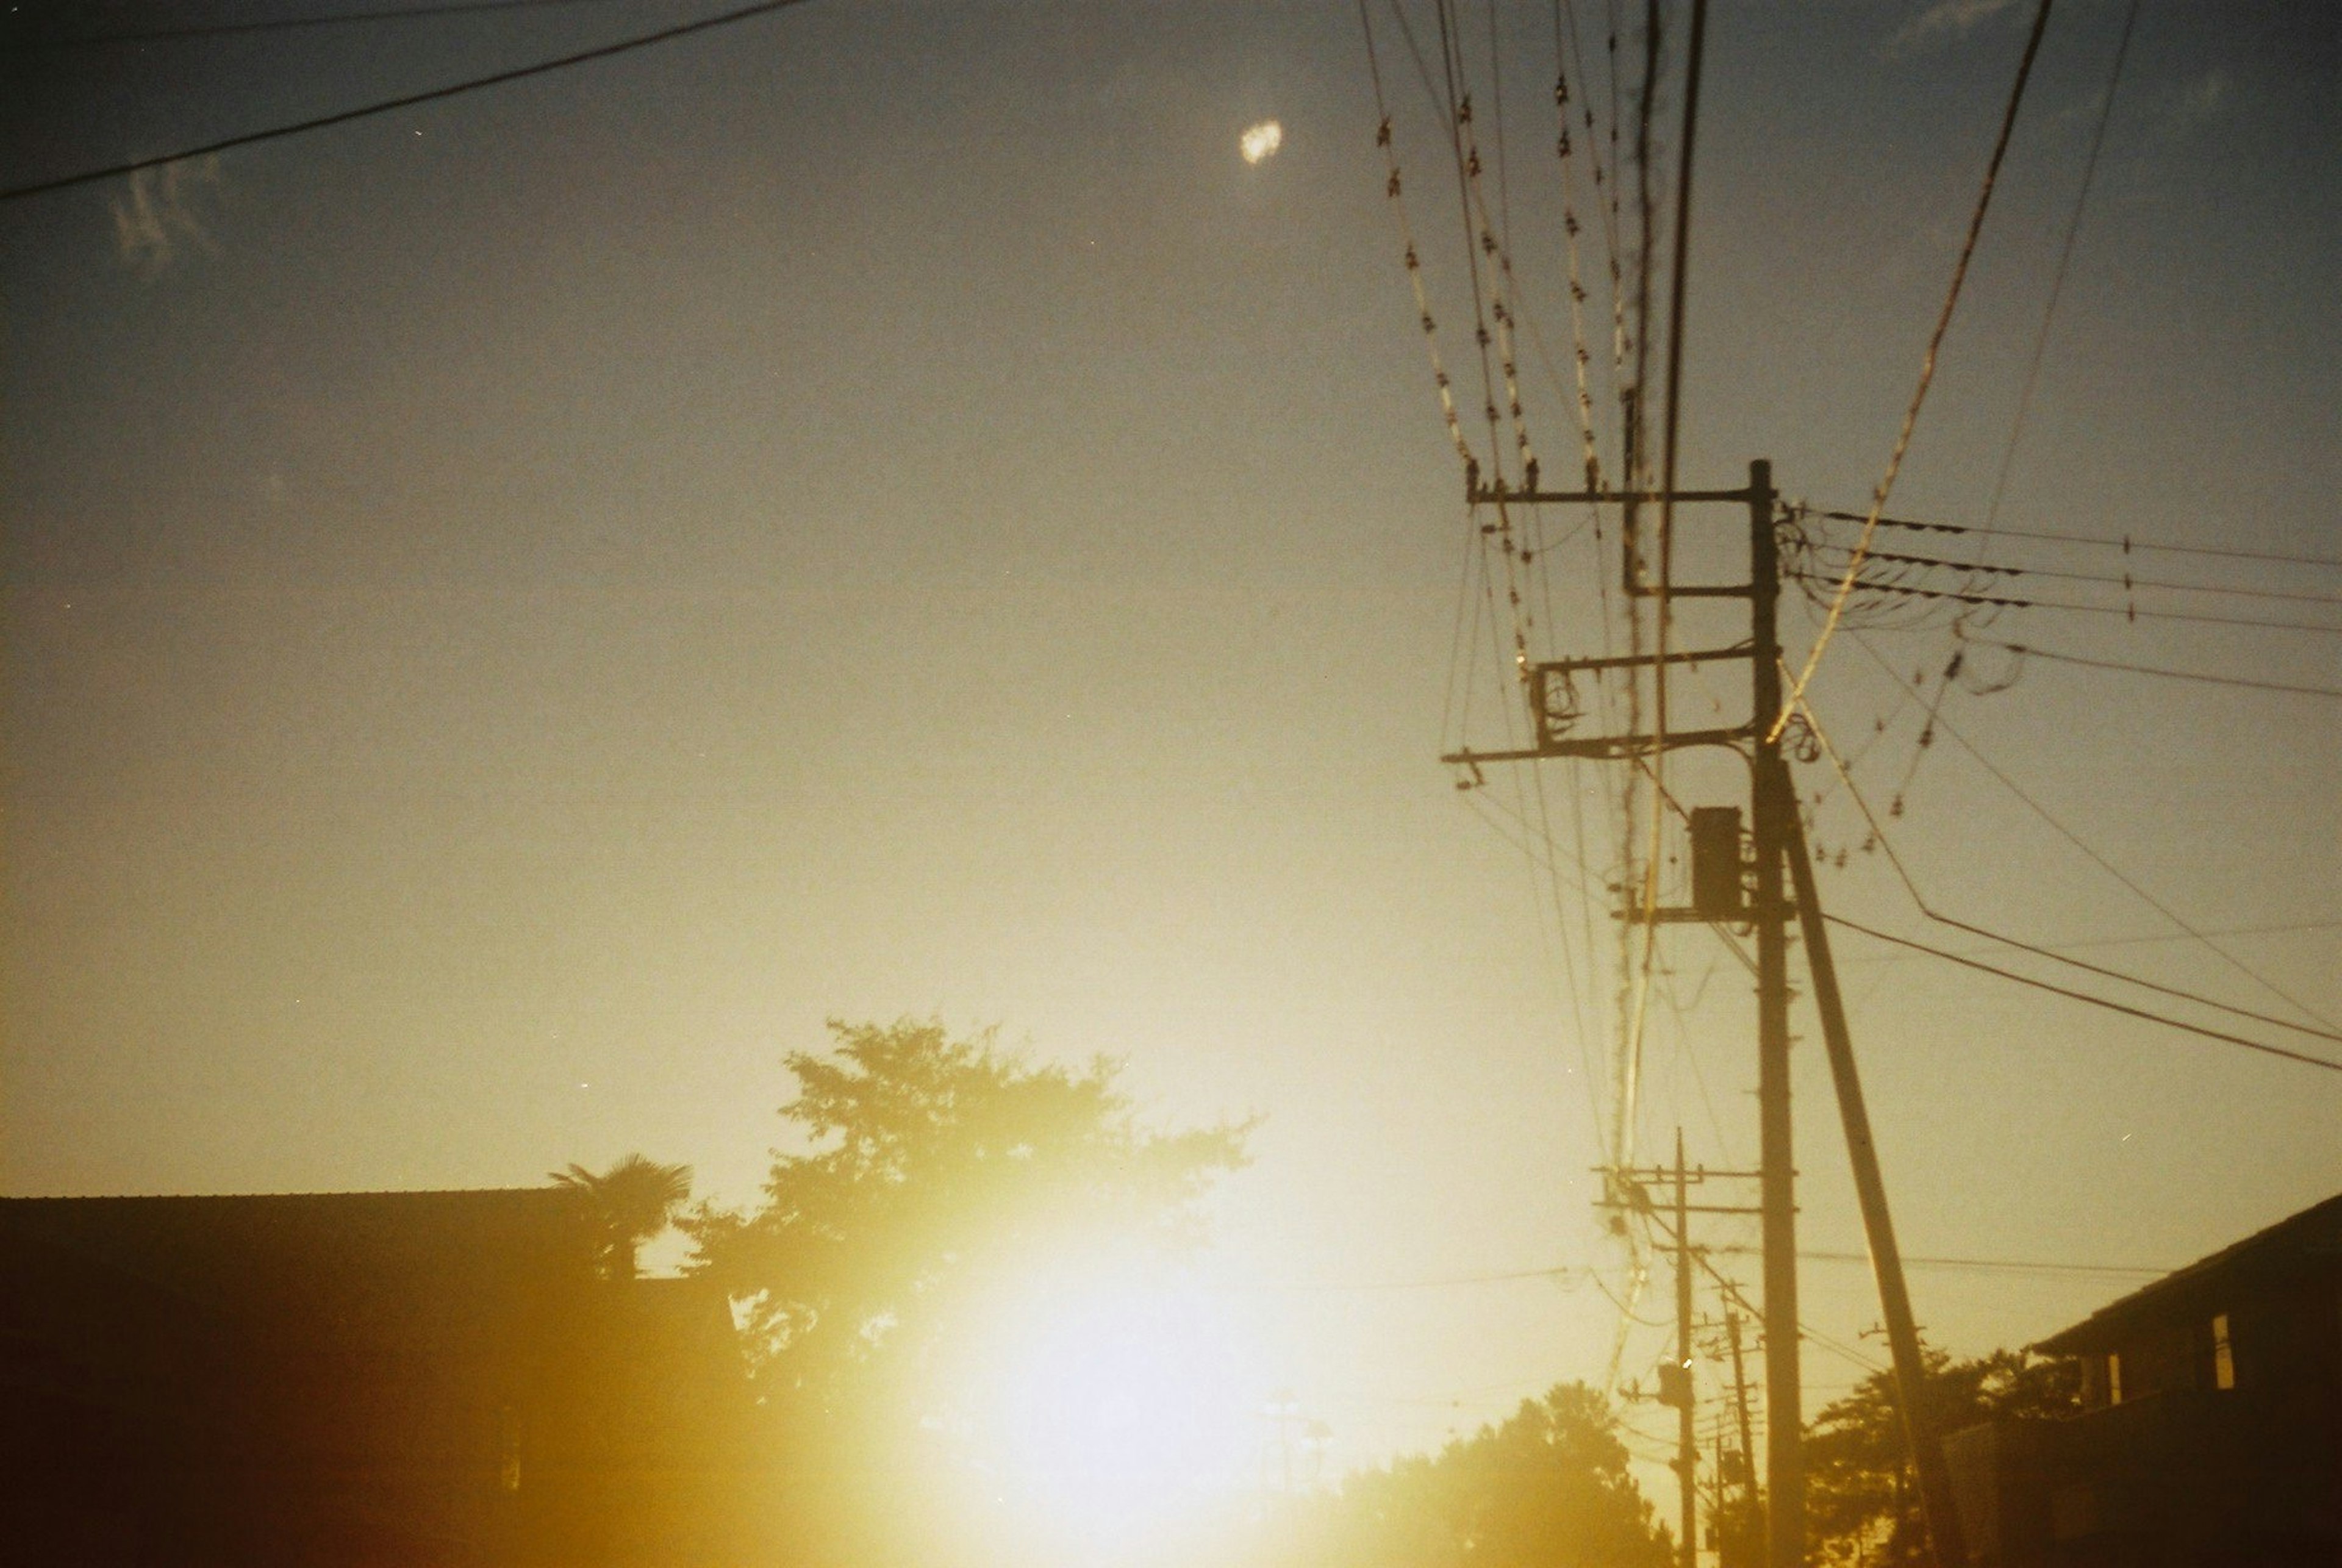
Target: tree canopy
{"points": [[933, 1163], [631, 1203], [1860, 1497], [1549, 1486], [931, 1177]]}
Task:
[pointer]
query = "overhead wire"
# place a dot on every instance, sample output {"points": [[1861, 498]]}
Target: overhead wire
{"points": [[2123, 542], [2065, 261], [1886, 487], [287, 23], [1504, 294], [1732, 1292], [2178, 920], [2126, 581], [2128, 613], [2027, 650], [2040, 349], [2259, 1045], [1634, 413], [1580, 1274], [407, 100], [2290, 926], [1395, 191], [1879, 835]]}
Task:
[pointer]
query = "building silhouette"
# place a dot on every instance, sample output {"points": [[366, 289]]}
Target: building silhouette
{"points": [[356, 1378], [2211, 1428]]}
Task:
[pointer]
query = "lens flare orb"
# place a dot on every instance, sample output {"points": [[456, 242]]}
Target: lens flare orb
{"points": [[1259, 143]]}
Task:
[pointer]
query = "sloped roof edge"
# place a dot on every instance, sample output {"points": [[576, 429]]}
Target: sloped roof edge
{"points": [[2316, 1231]]}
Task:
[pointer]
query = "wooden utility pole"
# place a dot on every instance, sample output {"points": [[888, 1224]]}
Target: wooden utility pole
{"points": [[1772, 811], [1726, 892], [1922, 1436], [1740, 1398], [1553, 714], [1687, 1444]]}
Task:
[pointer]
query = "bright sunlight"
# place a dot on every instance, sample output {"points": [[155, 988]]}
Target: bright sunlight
{"points": [[1114, 1406]]}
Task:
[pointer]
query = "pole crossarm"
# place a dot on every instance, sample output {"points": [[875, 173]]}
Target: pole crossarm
{"points": [[1653, 1173], [1607, 748], [1643, 661], [1688, 1208], [1673, 916], [1480, 495]]}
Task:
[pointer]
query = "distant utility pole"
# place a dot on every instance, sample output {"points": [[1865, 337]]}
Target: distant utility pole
{"points": [[1686, 1443], [1726, 890], [1630, 1189], [1740, 1401]]}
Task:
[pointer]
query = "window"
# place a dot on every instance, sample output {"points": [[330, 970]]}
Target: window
{"points": [[2114, 1378], [2224, 1357]]}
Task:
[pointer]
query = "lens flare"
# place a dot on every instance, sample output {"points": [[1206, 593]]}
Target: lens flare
{"points": [[1120, 1408], [1260, 141]]}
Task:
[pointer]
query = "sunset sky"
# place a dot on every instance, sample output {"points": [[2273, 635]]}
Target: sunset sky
{"points": [[517, 610]]}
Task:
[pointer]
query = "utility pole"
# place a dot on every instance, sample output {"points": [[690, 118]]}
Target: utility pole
{"points": [[1727, 892], [1630, 1188], [1922, 1435], [1740, 1398], [1553, 714], [1687, 1446], [1773, 810]]}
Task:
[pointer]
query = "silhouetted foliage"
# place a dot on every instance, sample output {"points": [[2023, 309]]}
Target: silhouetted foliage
{"points": [[937, 1167], [1863, 1504], [1549, 1487], [632, 1201]]}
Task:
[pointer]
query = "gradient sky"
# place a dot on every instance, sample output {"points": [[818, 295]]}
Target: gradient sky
{"points": [[517, 610]]}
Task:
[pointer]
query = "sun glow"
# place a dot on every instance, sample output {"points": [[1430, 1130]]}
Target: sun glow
{"points": [[1119, 1407]]}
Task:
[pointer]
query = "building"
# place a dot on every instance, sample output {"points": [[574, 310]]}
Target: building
{"points": [[2211, 1427], [353, 1379]]}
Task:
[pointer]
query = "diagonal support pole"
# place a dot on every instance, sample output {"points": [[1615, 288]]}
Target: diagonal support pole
{"points": [[1920, 1432]]}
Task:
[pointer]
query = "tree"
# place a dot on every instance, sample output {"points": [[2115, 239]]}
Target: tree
{"points": [[933, 1168], [1549, 1487], [934, 1160], [1861, 1498], [632, 1201]]}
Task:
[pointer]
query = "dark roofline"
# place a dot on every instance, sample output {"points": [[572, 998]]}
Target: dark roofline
{"points": [[2296, 1232], [213, 1197]]}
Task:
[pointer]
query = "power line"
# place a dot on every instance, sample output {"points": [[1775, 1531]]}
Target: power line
{"points": [[2009, 601], [288, 23], [1443, 1282], [2112, 1006], [2058, 278], [1879, 834], [2027, 650], [406, 101], [2124, 542], [2070, 836], [1926, 375], [2123, 581], [2164, 937], [1580, 1274], [1731, 1288], [2007, 1265]]}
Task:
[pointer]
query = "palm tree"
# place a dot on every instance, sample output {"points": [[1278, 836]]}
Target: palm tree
{"points": [[631, 1202]]}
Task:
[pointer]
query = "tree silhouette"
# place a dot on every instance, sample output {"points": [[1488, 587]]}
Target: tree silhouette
{"points": [[1861, 1499], [1550, 1485], [632, 1201], [936, 1172], [937, 1160]]}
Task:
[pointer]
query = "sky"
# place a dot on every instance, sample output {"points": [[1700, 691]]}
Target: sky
{"points": [[518, 610]]}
